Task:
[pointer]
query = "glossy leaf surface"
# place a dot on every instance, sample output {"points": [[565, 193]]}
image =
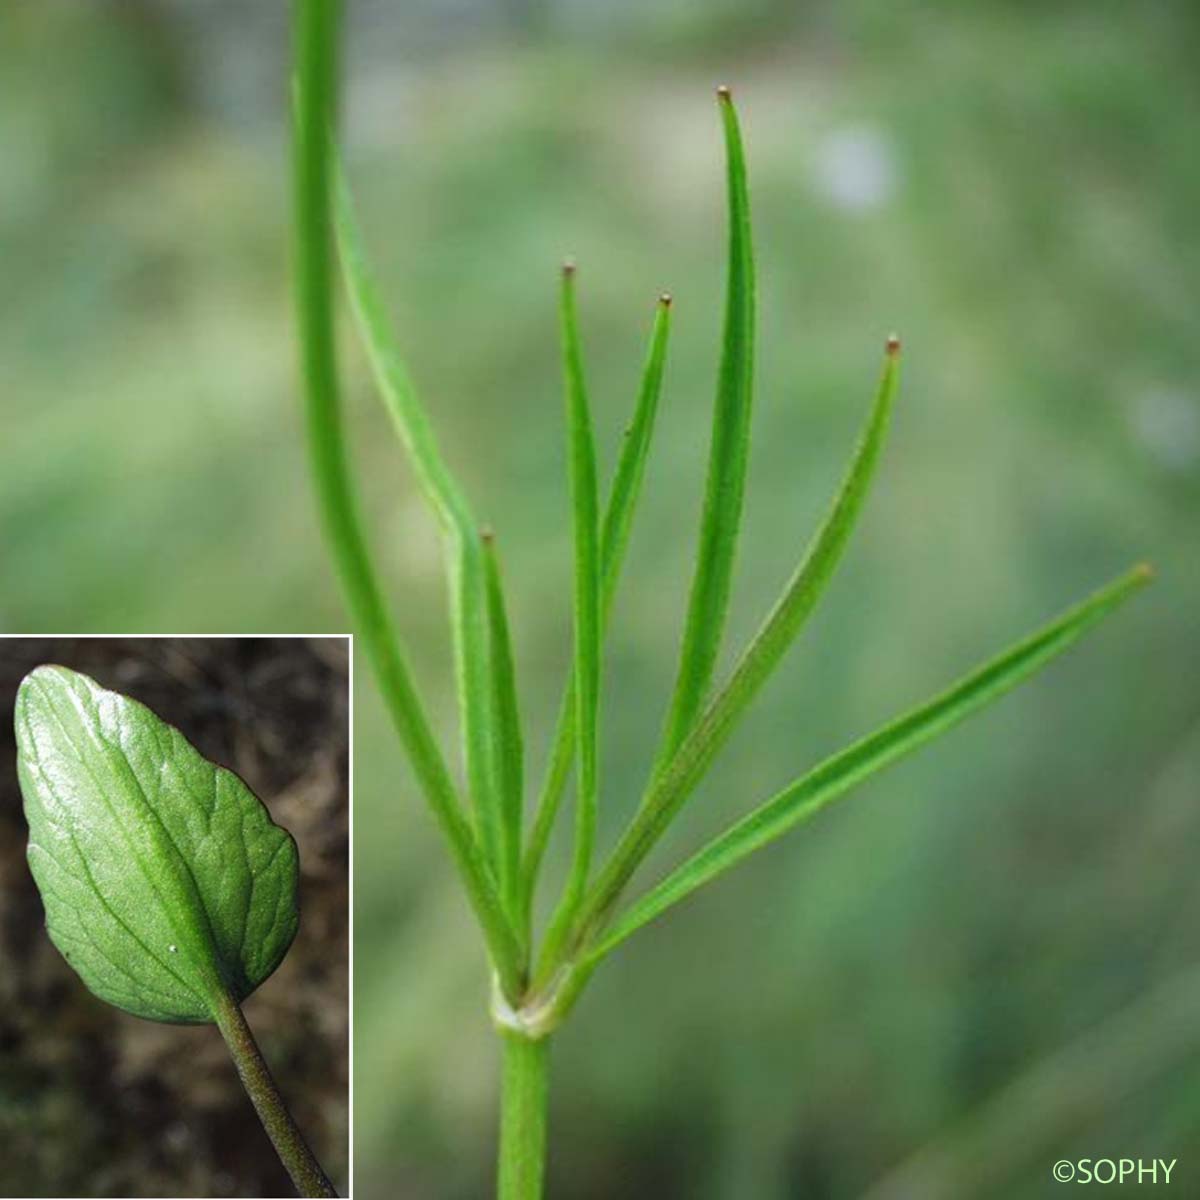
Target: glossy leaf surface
{"points": [[166, 884]]}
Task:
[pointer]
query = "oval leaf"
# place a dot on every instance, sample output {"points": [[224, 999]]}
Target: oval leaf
{"points": [[166, 884]]}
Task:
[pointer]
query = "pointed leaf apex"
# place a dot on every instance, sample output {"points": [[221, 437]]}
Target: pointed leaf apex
{"points": [[665, 300], [893, 346], [569, 266], [724, 93], [1144, 572], [487, 534]]}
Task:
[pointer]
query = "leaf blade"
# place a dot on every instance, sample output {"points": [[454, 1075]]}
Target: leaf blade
{"points": [[675, 782], [842, 771], [508, 751], [624, 493], [166, 884], [581, 464], [465, 567], [337, 499], [630, 474], [708, 600], [586, 537]]}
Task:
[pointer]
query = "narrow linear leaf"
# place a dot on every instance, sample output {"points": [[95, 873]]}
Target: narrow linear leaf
{"points": [[464, 549], [614, 537], [670, 789], [508, 750], [312, 114], [841, 772], [166, 884], [585, 526], [631, 465], [581, 463], [728, 454]]}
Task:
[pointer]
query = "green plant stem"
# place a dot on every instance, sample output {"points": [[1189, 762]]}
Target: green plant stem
{"points": [[285, 1136], [523, 1101], [317, 24]]}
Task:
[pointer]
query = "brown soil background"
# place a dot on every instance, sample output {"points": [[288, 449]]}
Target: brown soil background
{"points": [[94, 1102]]}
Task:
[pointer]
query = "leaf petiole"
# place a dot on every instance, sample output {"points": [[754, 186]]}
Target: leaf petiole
{"points": [[285, 1135]]}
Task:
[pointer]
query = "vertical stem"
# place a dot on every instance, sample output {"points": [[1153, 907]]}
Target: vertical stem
{"points": [[523, 1100], [285, 1135]]}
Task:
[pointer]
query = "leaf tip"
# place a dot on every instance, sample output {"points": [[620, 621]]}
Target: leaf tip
{"points": [[892, 346], [487, 535], [1143, 572], [569, 267], [46, 675], [665, 300], [725, 94]]}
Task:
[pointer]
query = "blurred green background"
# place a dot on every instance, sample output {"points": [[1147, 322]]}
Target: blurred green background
{"points": [[987, 960]]}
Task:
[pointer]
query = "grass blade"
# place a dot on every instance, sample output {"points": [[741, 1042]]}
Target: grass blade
{"points": [[465, 567], [614, 536], [508, 751], [838, 774], [674, 783], [317, 28], [581, 459], [725, 486]]}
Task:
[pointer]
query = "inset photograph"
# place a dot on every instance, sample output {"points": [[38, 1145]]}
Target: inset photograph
{"points": [[174, 916]]}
